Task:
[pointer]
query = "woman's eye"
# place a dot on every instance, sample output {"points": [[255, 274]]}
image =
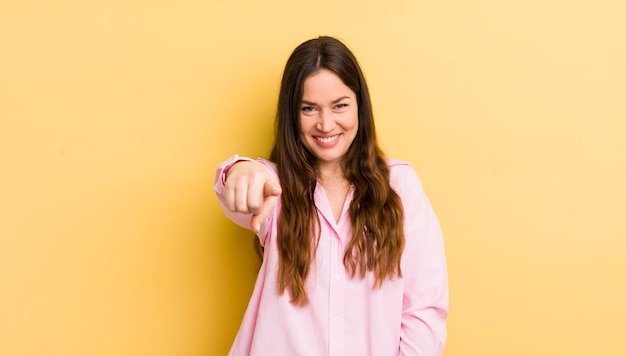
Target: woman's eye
{"points": [[341, 106], [307, 108]]}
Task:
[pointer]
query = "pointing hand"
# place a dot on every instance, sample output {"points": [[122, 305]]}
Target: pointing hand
{"points": [[251, 189]]}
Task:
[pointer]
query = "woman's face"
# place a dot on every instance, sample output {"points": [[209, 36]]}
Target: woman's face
{"points": [[329, 117]]}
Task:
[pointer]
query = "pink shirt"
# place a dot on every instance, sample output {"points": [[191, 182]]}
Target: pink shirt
{"points": [[346, 316]]}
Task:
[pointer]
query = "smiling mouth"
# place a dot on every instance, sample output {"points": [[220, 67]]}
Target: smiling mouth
{"points": [[327, 139]]}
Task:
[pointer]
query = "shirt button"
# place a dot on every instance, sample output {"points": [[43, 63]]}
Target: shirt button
{"points": [[337, 277], [336, 319]]}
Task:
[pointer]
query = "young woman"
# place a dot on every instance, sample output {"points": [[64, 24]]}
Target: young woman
{"points": [[353, 259]]}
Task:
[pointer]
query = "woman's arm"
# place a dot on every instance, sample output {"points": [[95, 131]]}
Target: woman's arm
{"points": [[425, 301]]}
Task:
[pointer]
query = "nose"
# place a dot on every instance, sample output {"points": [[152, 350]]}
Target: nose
{"points": [[325, 122]]}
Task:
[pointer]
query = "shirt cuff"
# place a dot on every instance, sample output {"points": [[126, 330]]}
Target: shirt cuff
{"points": [[222, 170]]}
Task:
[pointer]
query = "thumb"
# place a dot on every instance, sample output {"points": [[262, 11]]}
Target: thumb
{"points": [[271, 189]]}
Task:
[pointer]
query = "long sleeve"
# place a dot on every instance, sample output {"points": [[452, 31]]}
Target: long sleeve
{"points": [[425, 299]]}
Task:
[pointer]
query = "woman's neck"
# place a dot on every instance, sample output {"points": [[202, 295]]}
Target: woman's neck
{"points": [[331, 173], [336, 187]]}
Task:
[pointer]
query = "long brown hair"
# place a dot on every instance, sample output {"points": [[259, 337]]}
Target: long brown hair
{"points": [[375, 211]]}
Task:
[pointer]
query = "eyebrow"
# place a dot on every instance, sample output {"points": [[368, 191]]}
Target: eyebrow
{"points": [[334, 101]]}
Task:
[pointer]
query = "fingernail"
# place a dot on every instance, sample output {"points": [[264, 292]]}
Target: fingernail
{"points": [[258, 228]]}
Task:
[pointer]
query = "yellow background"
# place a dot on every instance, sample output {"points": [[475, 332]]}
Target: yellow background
{"points": [[114, 115]]}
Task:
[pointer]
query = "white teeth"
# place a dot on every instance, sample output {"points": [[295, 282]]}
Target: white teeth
{"points": [[327, 139]]}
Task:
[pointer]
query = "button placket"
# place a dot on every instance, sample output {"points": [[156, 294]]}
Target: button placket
{"points": [[336, 297]]}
